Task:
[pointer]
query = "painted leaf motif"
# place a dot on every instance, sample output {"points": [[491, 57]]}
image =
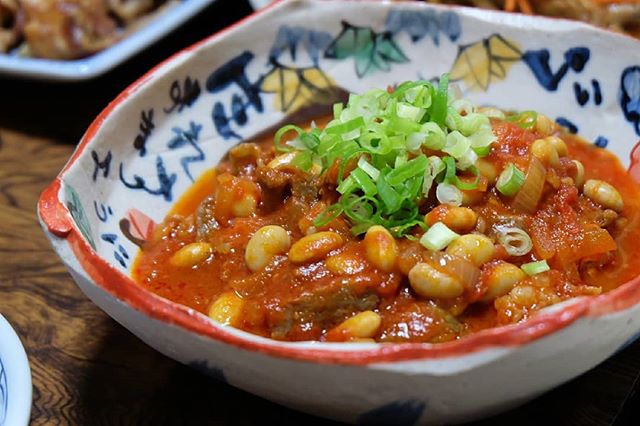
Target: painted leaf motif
{"points": [[137, 226], [480, 64], [371, 50], [297, 87], [78, 214]]}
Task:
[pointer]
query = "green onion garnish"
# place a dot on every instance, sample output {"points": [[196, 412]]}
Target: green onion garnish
{"points": [[438, 237], [533, 268], [525, 120], [390, 137], [510, 180]]}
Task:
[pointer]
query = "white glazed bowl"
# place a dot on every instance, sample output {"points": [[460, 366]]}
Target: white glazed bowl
{"points": [[15, 379], [178, 120]]}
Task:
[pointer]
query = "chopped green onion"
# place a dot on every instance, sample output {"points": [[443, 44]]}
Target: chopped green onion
{"points": [[337, 109], [439, 113], [390, 135], [368, 168], [328, 215], [452, 179], [436, 137], [525, 120], [448, 194], [362, 179], [438, 237], [533, 268], [515, 240], [402, 173], [346, 127], [281, 132], [510, 180]]}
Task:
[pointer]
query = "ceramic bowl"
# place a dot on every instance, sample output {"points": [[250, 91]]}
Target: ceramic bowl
{"points": [[15, 378], [179, 119]]}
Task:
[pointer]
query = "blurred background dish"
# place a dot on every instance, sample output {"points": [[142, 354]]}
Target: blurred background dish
{"points": [[15, 378], [617, 15], [81, 39]]}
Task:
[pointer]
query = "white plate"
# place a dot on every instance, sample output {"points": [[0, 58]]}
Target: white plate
{"points": [[15, 379], [103, 61]]}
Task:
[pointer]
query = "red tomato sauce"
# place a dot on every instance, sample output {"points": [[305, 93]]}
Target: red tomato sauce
{"points": [[590, 249]]}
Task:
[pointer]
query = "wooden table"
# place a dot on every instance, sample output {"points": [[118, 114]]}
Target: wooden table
{"points": [[86, 368]]}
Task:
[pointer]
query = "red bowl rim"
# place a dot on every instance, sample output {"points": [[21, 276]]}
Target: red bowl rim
{"points": [[58, 221]]}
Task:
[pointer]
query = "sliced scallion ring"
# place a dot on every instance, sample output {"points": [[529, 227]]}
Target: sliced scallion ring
{"points": [[510, 180], [438, 237], [534, 268]]}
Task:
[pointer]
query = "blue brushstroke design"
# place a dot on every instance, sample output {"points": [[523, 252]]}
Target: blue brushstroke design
{"points": [[575, 58], [289, 38], [397, 413], [597, 92], [568, 124], [4, 394], [601, 142], [203, 367], [183, 137], [630, 96]]}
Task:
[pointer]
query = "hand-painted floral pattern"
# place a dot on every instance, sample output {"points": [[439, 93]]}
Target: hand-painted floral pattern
{"points": [[78, 214], [371, 50], [482, 63]]}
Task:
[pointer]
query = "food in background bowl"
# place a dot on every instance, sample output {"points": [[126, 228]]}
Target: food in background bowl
{"points": [[407, 216], [619, 15], [70, 29]]}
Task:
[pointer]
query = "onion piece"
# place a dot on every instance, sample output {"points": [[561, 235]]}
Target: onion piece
{"points": [[529, 194], [460, 268]]}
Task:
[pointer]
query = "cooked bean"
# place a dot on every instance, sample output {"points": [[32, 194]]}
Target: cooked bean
{"points": [[345, 264], [559, 145], [247, 202], [544, 125], [191, 254], [501, 279], [360, 326], [380, 248], [476, 248], [266, 243], [523, 294], [315, 246], [429, 282], [545, 152], [488, 170], [578, 179], [227, 309], [604, 194], [459, 219]]}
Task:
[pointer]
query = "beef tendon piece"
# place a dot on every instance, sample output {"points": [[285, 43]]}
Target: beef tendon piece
{"points": [[413, 321], [206, 223], [67, 29], [319, 310]]}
